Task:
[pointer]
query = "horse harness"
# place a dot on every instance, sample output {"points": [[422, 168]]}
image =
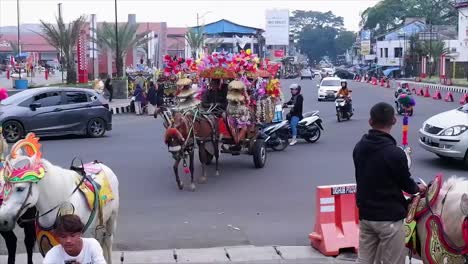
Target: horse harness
{"points": [[441, 244], [459, 250]]}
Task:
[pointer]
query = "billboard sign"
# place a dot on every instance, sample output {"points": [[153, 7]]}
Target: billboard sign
{"points": [[365, 42], [277, 27]]}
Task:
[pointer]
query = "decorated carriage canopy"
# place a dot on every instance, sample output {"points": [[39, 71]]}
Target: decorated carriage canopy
{"points": [[212, 74]]}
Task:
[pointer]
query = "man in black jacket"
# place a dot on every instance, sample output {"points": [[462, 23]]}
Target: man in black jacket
{"points": [[295, 114], [382, 174]]}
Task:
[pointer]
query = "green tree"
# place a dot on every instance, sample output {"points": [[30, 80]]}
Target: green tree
{"points": [[390, 14], [14, 47], [301, 20], [320, 34], [64, 36], [127, 38], [195, 39], [344, 41]]}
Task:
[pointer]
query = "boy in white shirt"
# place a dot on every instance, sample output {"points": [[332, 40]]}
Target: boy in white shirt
{"points": [[74, 249]]}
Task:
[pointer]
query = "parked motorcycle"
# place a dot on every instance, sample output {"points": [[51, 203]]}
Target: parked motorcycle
{"points": [[341, 109], [278, 135]]}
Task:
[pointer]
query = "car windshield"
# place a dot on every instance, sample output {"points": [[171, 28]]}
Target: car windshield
{"points": [[18, 97], [464, 108], [331, 83]]}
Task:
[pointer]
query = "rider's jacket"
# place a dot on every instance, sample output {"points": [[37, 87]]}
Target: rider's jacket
{"points": [[381, 170], [343, 92]]}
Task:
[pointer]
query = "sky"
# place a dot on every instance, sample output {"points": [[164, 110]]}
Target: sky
{"points": [[177, 13]]}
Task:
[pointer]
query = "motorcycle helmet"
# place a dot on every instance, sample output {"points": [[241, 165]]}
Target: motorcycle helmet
{"points": [[345, 82], [295, 86]]}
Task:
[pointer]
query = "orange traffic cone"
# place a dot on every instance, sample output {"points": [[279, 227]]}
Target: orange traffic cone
{"points": [[427, 94], [449, 97], [437, 95], [464, 99]]}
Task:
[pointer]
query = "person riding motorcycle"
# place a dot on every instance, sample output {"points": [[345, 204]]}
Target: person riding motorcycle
{"points": [[295, 115], [345, 93], [404, 88]]}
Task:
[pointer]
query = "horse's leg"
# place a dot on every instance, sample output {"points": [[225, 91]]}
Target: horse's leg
{"points": [[216, 153], [29, 232], [111, 226], [29, 240], [191, 167], [203, 159], [10, 241], [176, 172]]}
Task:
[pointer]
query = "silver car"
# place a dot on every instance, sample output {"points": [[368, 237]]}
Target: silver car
{"points": [[446, 134], [55, 111]]}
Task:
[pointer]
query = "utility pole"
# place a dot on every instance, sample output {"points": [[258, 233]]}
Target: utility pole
{"points": [[19, 45], [430, 49], [61, 39], [117, 60]]}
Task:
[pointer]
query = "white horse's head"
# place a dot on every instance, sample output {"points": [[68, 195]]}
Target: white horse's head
{"points": [[23, 169]]}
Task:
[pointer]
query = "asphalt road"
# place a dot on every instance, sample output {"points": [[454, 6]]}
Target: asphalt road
{"points": [[270, 206]]}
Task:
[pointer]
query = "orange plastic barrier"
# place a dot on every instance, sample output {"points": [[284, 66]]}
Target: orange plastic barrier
{"points": [[336, 220]]}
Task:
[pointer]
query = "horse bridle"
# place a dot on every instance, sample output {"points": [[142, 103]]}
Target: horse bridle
{"points": [[36, 218]]}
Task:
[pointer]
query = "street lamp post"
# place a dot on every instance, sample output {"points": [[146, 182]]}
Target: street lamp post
{"points": [[19, 45], [198, 25], [61, 39], [117, 61]]}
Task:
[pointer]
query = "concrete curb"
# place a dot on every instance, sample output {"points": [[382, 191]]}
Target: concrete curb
{"points": [[120, 109], [241, 254], [452, 89]]}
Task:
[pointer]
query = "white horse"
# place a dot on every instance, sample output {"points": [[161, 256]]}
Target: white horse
{"points": [[453, 212], [56, 187]]}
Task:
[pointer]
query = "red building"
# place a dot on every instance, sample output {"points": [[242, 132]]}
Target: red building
{"points": [[165, 40]]}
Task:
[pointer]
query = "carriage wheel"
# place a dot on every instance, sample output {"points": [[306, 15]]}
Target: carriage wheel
{"points": [[259, 153]]}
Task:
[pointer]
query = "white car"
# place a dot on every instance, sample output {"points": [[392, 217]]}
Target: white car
{"points": [[329, 71], [328, 88], [446, 134], [306, 74]]}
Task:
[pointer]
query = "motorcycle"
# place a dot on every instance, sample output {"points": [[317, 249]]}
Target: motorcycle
{"points": [[278, 134], [400, 110], [341, 105]]}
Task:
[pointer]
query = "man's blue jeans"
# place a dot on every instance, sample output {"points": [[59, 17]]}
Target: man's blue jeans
{"points": [[294, 121]]}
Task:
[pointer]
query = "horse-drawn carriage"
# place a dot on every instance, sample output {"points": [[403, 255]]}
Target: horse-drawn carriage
{"points": [[219, 109]]}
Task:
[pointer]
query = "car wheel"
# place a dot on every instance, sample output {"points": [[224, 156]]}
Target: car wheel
{"points": [[96, 128], [13, 131], [465, 160]]}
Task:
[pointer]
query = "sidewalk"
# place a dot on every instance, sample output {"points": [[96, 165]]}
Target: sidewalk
{"points": [[241, 254], [38, 80]]}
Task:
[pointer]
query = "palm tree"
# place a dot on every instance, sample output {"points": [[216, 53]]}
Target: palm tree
{"points": [[14, 48], [127, 39], [195, 40], [436, 49], [65, 37]]}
